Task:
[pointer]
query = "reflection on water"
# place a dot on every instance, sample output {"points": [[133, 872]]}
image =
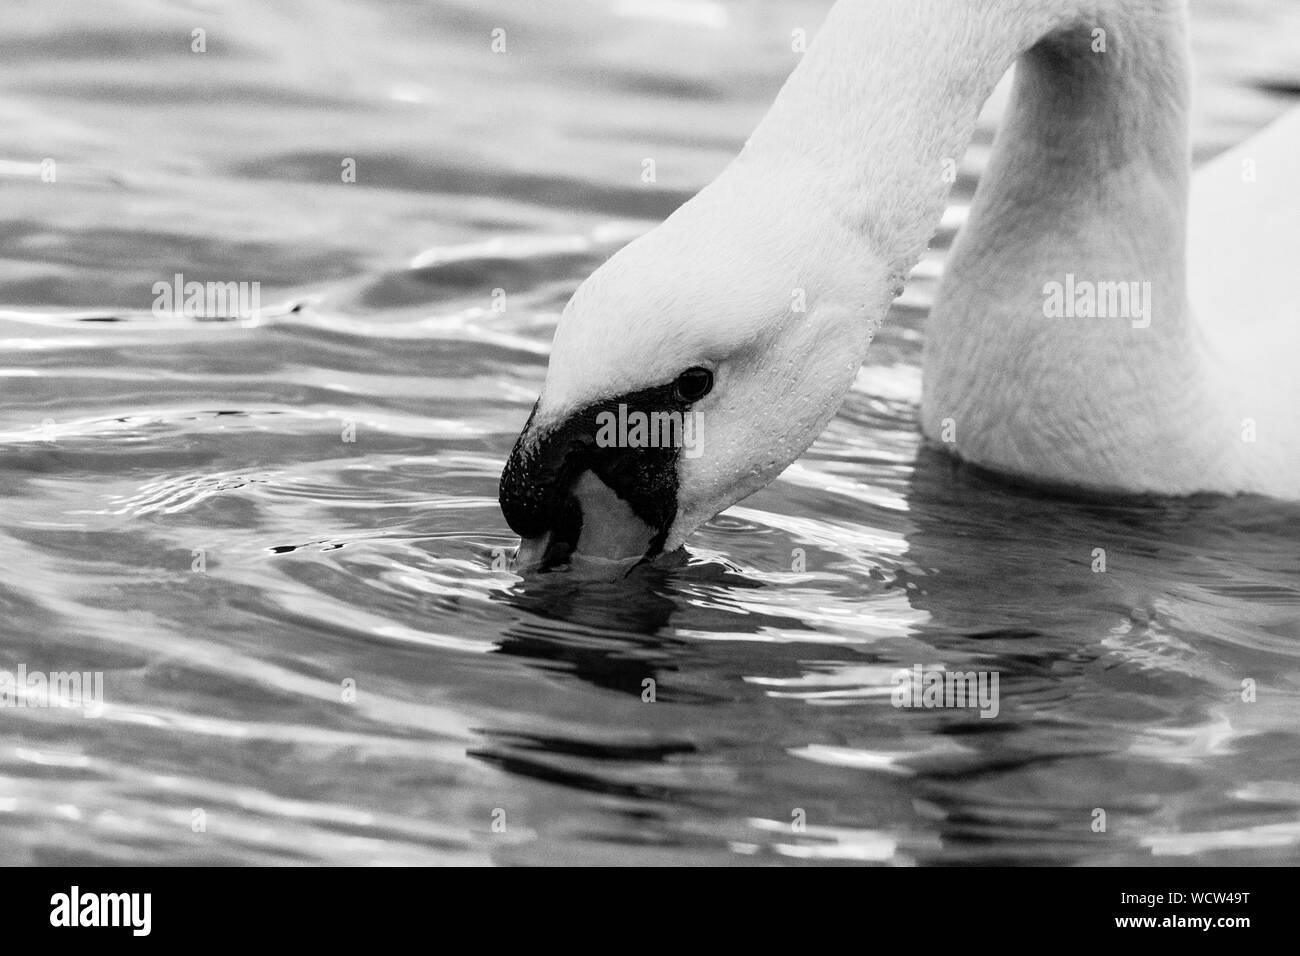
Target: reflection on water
{"points": [[276, 538]]}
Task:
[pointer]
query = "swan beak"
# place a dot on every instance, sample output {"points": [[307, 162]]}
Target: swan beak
{"points": [[535, 554], [571, 500], [610, 537]]}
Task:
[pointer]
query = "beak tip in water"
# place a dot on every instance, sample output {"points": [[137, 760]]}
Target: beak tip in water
{"points": [[534, 555], [531, 555]]}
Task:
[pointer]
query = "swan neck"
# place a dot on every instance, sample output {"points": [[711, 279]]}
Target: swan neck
{"points": [[887, 97]]}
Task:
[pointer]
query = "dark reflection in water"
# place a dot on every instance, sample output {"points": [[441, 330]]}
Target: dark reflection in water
{"points": [[619, 634], [1106, 705]]}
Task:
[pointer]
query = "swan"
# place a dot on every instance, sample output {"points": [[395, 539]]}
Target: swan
{"points": [[1105, 323]]}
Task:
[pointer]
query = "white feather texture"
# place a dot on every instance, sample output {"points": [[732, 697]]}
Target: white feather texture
{"points": [[844, 182]]}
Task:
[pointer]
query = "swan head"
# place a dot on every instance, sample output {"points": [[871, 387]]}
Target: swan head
{"points": [[688, 371]]}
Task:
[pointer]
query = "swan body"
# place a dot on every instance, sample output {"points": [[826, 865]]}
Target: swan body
{"points": [[775, 277], [1089, 181]]}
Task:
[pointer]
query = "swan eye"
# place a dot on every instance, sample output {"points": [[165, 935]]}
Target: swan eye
{"points": [[694, 384]]}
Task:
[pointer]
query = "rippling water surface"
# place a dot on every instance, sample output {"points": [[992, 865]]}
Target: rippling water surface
{"points": [[275, 538]]}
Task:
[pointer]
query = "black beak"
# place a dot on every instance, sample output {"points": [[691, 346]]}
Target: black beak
{"points": [[537, 492]]}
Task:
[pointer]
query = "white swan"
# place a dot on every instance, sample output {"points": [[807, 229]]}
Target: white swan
{"points": [[752, 306]]}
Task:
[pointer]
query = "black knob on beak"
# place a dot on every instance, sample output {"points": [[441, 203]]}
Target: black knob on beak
{"points": [[537, 484]]}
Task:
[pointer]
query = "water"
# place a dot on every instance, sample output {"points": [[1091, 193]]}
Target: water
{"points": [[184, 509]]}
